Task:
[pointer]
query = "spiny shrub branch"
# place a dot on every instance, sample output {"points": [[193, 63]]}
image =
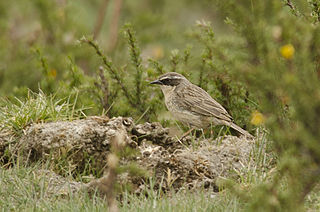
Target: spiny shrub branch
{"points": [[109, 66], [135, 59]]}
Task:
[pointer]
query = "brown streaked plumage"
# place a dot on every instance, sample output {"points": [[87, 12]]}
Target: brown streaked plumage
{"points": [[192, 105]]}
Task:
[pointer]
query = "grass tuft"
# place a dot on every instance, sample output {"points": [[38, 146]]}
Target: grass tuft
{"points": [[16, 114]]}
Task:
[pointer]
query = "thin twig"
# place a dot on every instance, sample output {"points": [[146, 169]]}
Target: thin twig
{"points": [[106, 184], [114, 25], [144, 113], [292, 7], [100, 18], [104, 88], [289, 3]]}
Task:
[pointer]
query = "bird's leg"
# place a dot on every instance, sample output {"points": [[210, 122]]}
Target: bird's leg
{"points": [[211, 132], [189, 131], [206, 132], [203, 132]]}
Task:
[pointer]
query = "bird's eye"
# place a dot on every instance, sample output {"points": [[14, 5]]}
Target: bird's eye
{"points": [[169, 81], [165, 81]]}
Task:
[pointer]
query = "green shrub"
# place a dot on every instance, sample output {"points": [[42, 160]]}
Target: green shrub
{"points": [[281, 43]]}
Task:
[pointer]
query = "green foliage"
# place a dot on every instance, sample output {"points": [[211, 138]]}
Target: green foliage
{"points": [[137, 100], [281, 69]]}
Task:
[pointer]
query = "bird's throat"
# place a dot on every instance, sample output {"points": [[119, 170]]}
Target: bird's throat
{"points": [[167, 90]]}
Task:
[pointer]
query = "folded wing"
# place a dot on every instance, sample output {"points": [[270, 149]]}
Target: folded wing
{"points": [[198, 101]]}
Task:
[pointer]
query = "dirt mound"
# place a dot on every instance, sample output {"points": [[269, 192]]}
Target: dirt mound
{"points": [[80, 142], [193, 163], [189, 163]]}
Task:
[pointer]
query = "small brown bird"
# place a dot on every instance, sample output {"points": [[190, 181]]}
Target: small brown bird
{"points": [[192, 105]]}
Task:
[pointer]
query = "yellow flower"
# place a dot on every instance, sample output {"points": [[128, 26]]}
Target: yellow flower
{"points": [[287, 51], [157, 52], [257, 118], [52, 73]]}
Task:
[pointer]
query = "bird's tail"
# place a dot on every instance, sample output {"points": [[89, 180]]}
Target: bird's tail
{"points": [[240, 130]]}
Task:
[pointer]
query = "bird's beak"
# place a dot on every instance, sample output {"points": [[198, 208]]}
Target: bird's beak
{"points": [[155, 82]]}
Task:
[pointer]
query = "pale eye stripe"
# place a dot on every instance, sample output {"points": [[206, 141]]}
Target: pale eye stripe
{"points": [[164, 78], [173, 77]]}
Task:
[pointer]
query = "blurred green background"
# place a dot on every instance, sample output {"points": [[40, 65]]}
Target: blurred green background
{"points": [[53, 27], [40, 49], [259, 59]]}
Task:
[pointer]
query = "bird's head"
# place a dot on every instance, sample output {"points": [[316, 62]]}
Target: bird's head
{"points": [[169, 81]]}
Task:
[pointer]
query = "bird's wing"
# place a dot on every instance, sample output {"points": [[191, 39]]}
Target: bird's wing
{"points": [[197, 100]]}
